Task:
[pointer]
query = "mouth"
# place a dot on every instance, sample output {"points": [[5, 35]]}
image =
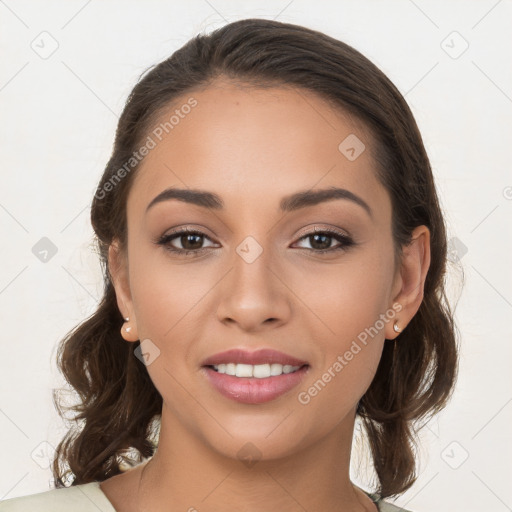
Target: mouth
{"points": [[253, 377], [257, 371]]}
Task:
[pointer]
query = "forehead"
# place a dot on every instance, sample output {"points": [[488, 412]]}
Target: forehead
{"points": [[255, 145]]}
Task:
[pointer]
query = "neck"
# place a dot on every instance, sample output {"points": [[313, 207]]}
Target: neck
{"points": [[188, 474]]}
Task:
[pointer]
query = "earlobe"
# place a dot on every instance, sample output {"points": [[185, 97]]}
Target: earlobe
{"points": [[413, 272], [128, 331], [119, 274]]}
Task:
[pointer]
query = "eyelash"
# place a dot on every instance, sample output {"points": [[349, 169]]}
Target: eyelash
{"points": [[165, 240]]}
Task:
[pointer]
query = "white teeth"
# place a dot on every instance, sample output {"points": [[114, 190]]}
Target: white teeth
{"points": [[243, 370], [259, 371]]}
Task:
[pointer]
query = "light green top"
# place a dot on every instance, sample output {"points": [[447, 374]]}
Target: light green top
{"points": [[90, 498]]}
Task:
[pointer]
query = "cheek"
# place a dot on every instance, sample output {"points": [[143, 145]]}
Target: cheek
{"points": [[168, 300], [173, 307], [346, 360], [167, 297], [352, 303], [348, 297]]}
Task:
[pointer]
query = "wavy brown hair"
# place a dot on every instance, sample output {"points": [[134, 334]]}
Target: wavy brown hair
{"points": [[118, 406]]}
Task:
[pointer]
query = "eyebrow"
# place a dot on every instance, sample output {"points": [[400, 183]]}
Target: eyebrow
{"points": [[289, 203]]}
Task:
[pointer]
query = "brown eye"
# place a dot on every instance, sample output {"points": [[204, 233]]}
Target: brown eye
{"points": [[321, 241], [191, 242]]}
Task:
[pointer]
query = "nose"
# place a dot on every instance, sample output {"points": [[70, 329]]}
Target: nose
{"points": [[253, 296]]}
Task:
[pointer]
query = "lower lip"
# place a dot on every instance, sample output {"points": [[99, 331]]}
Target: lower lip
{"points": [[250, 390]]}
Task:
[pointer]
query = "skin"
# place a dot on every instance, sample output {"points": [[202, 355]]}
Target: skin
{"points": [[252, 147]]}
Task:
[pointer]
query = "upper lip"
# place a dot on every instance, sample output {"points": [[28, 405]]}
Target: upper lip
{"points": [[261, 356]]}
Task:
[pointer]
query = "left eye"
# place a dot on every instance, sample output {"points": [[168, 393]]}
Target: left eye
{"points": [[191, 241], [324, 239]]}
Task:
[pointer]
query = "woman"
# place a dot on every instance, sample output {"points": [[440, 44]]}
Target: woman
{"points": [[274, 254]]}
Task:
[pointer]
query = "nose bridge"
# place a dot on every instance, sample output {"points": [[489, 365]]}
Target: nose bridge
{"points": [[252, 293], [254, 252], [252, 275]]}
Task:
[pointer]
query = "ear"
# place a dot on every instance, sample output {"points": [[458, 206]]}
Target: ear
{"points": [[118, 268], [410, 280]]}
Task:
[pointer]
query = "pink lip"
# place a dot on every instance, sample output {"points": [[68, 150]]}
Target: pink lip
{"points": [[251, 390], [261, 356]]}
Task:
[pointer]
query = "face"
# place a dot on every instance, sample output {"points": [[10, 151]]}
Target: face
{"points": [[314, 280]]}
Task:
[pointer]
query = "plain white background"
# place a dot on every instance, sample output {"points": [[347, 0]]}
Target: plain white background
{"points": [[451, 60]]}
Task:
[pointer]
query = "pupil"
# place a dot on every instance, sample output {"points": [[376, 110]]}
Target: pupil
{"points": [[324, 245], [187, 238]]}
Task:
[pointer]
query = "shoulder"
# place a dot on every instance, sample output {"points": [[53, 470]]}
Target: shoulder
{"points": [[384, 506], [78, 498]]}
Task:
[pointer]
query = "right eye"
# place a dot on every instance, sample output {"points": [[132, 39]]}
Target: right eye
{"points": [[189, 239]]}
